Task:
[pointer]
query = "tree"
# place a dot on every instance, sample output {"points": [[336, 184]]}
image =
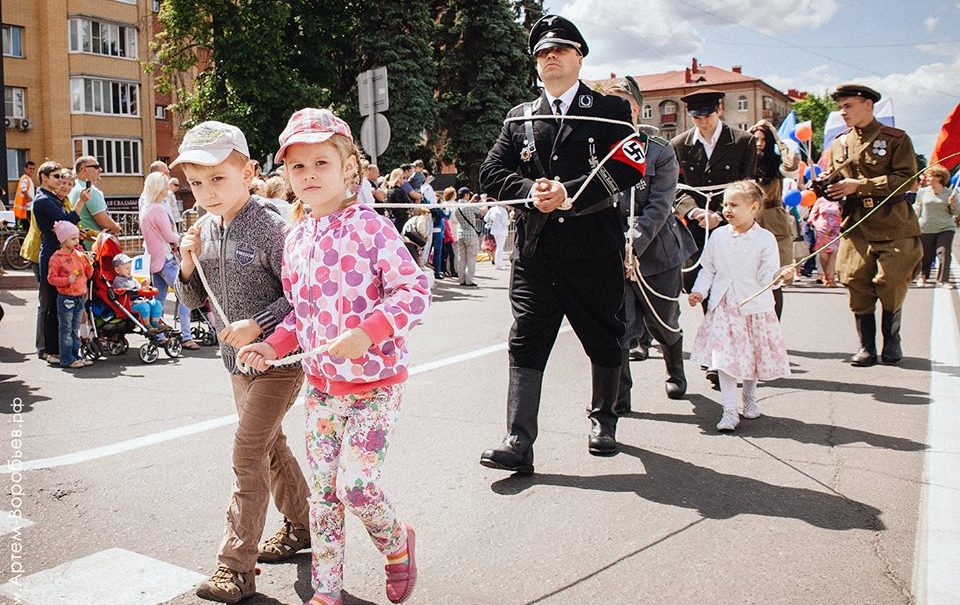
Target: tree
{"points": [[483, 73], [816, 109], [399, 35]]}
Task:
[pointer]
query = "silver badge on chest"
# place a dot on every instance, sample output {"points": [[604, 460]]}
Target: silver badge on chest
{"points": [[880, 148]]}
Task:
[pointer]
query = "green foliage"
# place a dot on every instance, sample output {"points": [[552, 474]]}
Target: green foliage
{"points": [[482, 75], [816, 109]]}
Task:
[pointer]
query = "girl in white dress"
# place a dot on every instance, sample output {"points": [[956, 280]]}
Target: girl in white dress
{"points": [[741, 341]]}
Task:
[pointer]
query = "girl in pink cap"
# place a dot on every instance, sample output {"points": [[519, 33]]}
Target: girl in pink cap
{"points": [[356, 292]]}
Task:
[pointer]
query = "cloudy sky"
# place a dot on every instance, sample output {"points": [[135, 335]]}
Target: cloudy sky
{"points": [[909, 51]]}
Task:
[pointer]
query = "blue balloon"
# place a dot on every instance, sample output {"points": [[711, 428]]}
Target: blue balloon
{"points": [[816, 170], [792, 198]]}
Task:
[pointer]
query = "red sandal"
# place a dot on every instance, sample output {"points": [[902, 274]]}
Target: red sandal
{"points": [[401, 578]]}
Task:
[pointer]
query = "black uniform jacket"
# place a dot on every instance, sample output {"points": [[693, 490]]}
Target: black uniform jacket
{"points": [[733, 159], [661, 242], [567, 151]]}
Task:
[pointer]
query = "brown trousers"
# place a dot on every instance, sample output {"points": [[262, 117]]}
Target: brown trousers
{"points": [[262, 465], [881, 271]]}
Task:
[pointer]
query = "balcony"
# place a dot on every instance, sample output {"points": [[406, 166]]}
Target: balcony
{"points": [[668, 118]]}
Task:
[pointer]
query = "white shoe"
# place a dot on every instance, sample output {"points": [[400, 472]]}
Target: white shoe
{"points": [[750, 408], [946, 285], [728, 421]]}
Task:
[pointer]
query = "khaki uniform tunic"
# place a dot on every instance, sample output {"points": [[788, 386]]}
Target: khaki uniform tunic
{"points": [[879, 259]]}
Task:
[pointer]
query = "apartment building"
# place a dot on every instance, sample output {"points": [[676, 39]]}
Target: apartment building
{"points": [[747, 99], [74, 85]]}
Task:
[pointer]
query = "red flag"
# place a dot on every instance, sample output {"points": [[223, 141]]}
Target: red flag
{"points": [[948, 143]]}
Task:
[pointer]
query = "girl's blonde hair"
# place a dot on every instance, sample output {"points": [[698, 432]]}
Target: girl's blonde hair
{"points": [[396, 175], [275, 188], [939, 171], [155, 187], [746, 189], [449, 194], [346, 148], [257, 186]]}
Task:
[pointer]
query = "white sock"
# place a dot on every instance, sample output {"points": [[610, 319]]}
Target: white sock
{"points": [[728, 392], [750, 390]]}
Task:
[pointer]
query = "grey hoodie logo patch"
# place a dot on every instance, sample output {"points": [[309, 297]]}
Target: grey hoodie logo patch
{"points": [[246, 253]]}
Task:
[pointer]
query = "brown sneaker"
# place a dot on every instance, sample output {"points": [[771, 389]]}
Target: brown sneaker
{"points": [[287, 542], [229, 586]]}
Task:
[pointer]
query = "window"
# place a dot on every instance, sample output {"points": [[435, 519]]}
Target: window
{"points": [[101, 38], [767, 103], [156, 6], [16, 158], [668, 107], [647, 112], [160, 112], [12, 41], [742, 103], [116, 156], [743, 126], [14, 101], [111, 97]]}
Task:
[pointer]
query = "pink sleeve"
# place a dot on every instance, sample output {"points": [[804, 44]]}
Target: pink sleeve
{"points": [[406, 292], [289, 323], [283, 341], [377, 327], [166, 227]]}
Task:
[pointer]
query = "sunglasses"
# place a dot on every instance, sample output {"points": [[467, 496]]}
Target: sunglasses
{"points": [[56, 175], [94, 166]]}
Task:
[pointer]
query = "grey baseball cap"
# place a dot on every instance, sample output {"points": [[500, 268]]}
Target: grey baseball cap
{"points": [[209, 143]]}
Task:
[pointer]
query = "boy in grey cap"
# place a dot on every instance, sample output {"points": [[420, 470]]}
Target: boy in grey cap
{"points": [[240, 248]]}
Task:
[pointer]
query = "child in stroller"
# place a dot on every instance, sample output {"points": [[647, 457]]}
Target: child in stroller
{"points": [[111, 313], [145, 304]]}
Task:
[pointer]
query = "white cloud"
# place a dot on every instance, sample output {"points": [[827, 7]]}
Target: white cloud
{"points": [[922, 98], [931, 23], [664, 34]]}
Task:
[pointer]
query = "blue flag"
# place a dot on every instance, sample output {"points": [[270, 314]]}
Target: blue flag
{"points": [[785, 132]]}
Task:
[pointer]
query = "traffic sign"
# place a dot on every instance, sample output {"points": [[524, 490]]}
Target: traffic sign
{"points": [[375, 135], [373, 91]]}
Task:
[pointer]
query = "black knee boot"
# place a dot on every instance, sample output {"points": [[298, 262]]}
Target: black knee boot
{"points": [[603, 431], [523, 404], [867, 331], [622, 407], [676, 383], [890, 329]]}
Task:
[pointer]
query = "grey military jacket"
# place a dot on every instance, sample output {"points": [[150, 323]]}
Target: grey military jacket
{"points": [[661, 242]]}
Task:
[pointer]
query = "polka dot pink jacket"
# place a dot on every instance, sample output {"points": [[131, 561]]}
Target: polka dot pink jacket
{"points": [[346, 270]]}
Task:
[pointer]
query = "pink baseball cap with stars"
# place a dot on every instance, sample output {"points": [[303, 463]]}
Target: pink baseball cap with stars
{"points": [[311, 125]]}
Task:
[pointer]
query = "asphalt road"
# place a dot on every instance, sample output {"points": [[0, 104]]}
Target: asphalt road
{"points": [[818, 501]]}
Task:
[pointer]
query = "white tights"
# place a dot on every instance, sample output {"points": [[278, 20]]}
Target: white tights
{"points": [[728, 391]]}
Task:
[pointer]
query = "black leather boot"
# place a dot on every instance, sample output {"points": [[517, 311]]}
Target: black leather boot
{"points": [[867, 330], [676, 383], [891, 353], [622, 407], [523, 404], [603, 433]]}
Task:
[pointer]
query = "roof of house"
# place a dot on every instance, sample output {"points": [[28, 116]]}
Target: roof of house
{"points": [[695, 76]]}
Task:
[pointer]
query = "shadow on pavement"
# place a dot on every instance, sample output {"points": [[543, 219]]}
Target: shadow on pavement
{"points": [[14, 388], [713, 494], [7, 297], [303, 586], [884, 393], [907, 363], [707, 413]]}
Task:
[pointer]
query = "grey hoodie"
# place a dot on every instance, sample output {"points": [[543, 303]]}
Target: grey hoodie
{"points": [[242, 264]]}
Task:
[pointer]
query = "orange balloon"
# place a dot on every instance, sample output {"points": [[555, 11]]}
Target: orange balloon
{"points": [[803, 168], [804, 132], [808, 198]]}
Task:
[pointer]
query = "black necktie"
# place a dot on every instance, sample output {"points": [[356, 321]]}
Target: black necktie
{"points": [[556, 107]]}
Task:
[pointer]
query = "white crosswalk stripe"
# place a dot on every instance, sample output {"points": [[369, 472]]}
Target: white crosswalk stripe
{"points": [[10, 523], [109, 577]]}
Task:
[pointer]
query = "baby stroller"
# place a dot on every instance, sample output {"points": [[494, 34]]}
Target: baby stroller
{"points": [[110, 317], [200, 327]]}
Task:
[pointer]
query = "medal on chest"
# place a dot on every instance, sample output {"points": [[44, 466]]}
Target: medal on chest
{"points": [[879, 148], [526, 154]]}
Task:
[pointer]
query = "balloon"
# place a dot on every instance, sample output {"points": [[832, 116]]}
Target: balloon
{"points": [[792, 198], [804, 132], [816, 170], [803, 167], [808, 198]]}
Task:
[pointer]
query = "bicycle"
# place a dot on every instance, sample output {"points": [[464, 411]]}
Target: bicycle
{"points": [[13, 239]]}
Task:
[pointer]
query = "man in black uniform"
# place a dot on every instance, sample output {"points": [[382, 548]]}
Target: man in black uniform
{"points": [[661, 245], [710, 153], [570, 260]]}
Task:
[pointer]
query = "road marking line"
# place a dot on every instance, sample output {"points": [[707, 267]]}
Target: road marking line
{"points": [[937, 558], [215, 423], [10, 524], [104, 578]]}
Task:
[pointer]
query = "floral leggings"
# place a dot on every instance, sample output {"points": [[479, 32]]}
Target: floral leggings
{"points": [[346, 445]]}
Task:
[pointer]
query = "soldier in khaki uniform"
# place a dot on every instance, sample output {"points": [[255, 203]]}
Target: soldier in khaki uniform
{"points": [[879, 259]]}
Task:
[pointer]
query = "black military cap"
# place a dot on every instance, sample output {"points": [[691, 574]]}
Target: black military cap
{"points": [[702, 102], [855, 90], [628, 86], [554, 30]]}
